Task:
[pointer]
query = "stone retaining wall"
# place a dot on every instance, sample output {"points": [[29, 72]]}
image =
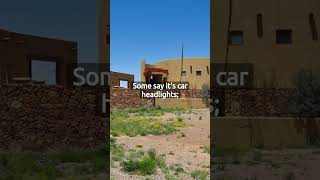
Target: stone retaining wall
{"points": [[254, 102], [50, 116], [130, 98]]}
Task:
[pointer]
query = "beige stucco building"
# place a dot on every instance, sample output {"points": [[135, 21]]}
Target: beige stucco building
{"points": [[280, 37], [195, 71]]}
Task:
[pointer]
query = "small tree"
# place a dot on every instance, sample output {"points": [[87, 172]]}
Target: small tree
{"points": [[304, 102], [205, 94]]}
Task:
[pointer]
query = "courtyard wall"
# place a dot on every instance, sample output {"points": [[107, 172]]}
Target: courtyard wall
{"points": [[42, 116]]}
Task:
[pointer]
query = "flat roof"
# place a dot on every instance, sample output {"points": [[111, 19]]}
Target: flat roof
{"points": [[15, 34], [114, 72]]}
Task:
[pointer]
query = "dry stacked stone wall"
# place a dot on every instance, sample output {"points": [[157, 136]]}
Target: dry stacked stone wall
{"points": [[255, 102], [129, 98], [50, 116]]}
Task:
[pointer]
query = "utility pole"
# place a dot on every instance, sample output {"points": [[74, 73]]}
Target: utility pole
{"points": [[181, 64], [228, 39]]}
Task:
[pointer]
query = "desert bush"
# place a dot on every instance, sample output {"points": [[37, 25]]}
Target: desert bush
{"points": [[143, 165], [304, 103], [200, 174]]}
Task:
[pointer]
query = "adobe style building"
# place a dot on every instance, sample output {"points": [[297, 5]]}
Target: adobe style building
{"points": [[279, 37], [18, 51], [117, 77], [195, 71]]}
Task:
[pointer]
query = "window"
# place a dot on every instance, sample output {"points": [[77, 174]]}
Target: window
{"points": [[208, 70], [124, 84], [236, 38], [313, 27], [284, 36], [259, 26], [190, 69], [183, 73], [108, 38], [44, 71], [198, 73]]}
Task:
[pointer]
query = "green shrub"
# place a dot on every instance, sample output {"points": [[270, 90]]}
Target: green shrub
{"points": [[135, 126], [206, 149], [199, 174], [147, 166], [143, 163], [117, 152], [180, 119], [130, 165], [152, 154], [52, 164], [139, 122]]}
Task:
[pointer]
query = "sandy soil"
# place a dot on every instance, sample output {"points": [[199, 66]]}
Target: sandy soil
{"points": [[184, 148], [293, 164]]}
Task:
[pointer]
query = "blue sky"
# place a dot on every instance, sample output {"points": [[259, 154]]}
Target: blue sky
{"points": [[155, 29], [65, 19], [72, 20]]}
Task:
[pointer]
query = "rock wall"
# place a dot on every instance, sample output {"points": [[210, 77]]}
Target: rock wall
{"points": [[254, 102], [128, 98], [50, 116]]}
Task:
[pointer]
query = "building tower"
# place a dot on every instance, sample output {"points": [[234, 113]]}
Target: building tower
{"points": [[279, 37]]}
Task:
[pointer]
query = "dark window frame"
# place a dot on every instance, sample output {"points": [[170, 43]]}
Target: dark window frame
{"points": [[235, 33], [183, 73], [313, 27], [198, 73], [259, 25], [281, 38], [108, 39]]}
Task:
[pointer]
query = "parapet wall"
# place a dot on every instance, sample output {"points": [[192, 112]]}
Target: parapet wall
{"points": [[50, 116]]}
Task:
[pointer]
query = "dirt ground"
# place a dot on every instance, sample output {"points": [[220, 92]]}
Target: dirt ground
{"points": [[293, 164], [185, 148]]}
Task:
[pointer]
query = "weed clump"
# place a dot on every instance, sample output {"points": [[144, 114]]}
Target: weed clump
{"points": [[144, 165], [138, 122], [199, 174]]}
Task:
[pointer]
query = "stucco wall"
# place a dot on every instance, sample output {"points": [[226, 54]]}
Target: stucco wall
{"points": [[174, 70], [194, 103], [267, 132], [274, 64]]}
